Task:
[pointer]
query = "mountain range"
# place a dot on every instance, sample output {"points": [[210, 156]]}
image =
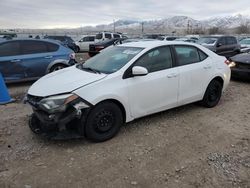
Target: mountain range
{"points": [[175, 24]]}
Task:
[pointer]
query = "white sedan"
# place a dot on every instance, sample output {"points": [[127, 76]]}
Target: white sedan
{"points": [[123, 83]]}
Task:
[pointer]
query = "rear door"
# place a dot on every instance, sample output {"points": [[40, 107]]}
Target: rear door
{"points": [[195, 69], [11, 63], [157, 90], [222, 48]]}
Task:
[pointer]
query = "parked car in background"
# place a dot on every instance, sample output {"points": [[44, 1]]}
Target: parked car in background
{"points": [[134, 40], [123, 83], [185, 39], [107, 36], [83, 44], [245, 45], [97, 47], [168, 38], [29, 59], [222, 45], [152, 36], [240, 66], [65, 40], [7, 35]]}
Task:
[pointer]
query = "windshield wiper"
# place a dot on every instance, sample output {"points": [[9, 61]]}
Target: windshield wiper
{"points": [[90, 69]]}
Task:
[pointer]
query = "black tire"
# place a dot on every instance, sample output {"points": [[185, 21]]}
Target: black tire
{"points": [[57, 67], [35, 124], [103, 122], [213, 94], [77, 49]]}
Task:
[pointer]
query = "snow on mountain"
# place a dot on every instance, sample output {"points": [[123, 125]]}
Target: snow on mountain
{"points": [[180, 22], [227, 22]]}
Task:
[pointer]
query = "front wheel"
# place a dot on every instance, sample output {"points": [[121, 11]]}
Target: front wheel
{"points": [[57, 67], [34, 124], [103, 122], [213, 94]]}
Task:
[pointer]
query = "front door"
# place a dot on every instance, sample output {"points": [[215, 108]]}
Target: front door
{"points": [[157, 90]]}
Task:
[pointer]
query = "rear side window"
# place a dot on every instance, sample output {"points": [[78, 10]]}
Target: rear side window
{"points": [[10, 48], [156, 60], [108, 35], [33, 47], [187, 55], [52, 47], [202, 55]]}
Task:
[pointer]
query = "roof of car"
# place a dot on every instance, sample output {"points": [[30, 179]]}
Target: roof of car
{"points": [[30, 39], [156, 43]]}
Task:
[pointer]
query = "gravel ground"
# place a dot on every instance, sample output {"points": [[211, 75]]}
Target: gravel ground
{"points": [[189, 146]]}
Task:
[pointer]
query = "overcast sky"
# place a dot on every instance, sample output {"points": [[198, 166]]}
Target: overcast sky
{"points": [[78, 13]]}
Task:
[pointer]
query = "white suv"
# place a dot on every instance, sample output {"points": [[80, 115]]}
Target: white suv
{"points": [[106, 35], [83, 44], [123, 83]]}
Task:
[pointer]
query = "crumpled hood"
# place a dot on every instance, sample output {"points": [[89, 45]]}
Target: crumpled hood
{"points": [[63, 81]]}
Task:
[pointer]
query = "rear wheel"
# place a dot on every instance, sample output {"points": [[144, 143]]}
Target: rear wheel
{"points": [[103, 122], [213, 94]]}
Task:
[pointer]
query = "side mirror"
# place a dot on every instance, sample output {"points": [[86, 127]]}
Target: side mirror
{"points": [[219, 45], [139, 71]]}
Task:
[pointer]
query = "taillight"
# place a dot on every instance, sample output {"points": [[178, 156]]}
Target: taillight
{"points": [[230, 63], [98, 48], [227, 61], [72, 56]]}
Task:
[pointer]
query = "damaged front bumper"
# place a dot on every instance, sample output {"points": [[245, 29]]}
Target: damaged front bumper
{"points": [[65, 122]]}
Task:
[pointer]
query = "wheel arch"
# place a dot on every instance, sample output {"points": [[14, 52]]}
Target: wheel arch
{"points": [[218, 78], [119, 104], [57, 62]]}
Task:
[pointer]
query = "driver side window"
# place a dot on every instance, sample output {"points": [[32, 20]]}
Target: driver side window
{"points": [[156, 60]]}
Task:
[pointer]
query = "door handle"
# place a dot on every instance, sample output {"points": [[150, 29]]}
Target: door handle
{"points": [[172, 75], [48, 57], [15, 60]]}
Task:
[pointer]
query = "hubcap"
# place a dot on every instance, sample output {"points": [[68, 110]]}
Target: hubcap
{"points": [[104, 121], [58, 68]]}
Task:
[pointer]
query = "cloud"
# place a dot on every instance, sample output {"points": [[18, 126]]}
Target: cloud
{"points": [[76, 13]]}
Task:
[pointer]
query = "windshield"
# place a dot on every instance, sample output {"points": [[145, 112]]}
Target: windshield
{"points": [[245, 41], [98, 36], [111, 59], [207, 40]]}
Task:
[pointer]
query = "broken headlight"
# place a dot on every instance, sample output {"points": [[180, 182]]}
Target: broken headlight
{"points": [[57, 103]]}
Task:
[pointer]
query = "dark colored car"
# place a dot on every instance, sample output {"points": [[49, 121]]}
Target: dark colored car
{"points": [[240, 66], [222, 45], [29, 59], [97, 47], [65, 40]]}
